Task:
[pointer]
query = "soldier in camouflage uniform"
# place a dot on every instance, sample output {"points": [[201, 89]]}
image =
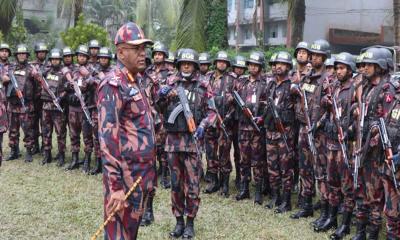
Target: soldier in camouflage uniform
{"points": [[5, 53], [104, 68], [18, 115], [340, 181], [280, 141], [368, 192], [53, 117], [68, 58], [314, 86], [181, 146], [251, 89], [205, 63], [41, 51], [127, 137], [218, 145], [170, 62], [94, 48], [83, 76]]}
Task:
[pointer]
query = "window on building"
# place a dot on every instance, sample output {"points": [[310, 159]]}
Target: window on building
{"points": [[273, 31], [248, 3], [248, 33]]}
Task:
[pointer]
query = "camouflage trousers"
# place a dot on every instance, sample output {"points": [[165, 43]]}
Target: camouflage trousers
{"points": [[340, 181], [218, 152], [95, 131], [38, 121], [280, 164], [236, 148], [54, 119], [369, 195], [392, 204], [3, 125], [160, 145], [25, 121], [306, 164], [77, 124], [320, 174], [252, 155], [185, 183]]}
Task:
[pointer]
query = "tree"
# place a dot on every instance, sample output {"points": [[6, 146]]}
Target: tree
{"points": [[18, 32], [191, 25], [217, 24], [396, 23], [7, 12], [296, 19], [70, 9]]}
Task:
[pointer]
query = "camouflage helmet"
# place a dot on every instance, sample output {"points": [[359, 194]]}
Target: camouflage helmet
{"points": [[82, 49], [55, 53], [22, 48], [67, 51], [5, 46], [389, 57], [94, 44], [105, 52], [41, 47], [284, 57], [204, 58], [272, 59], [256, 57], [330, 62], [171, 58], [188, 55], [321, 46], [239, 61], [346, 59], [375, 56], [132, 34], [222, 56], [160, 47], [301, 45]]}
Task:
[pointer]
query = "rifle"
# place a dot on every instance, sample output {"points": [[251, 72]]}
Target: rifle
{"points": [[359, 144], [78, 93], [310, 136], [46, 87], [245, 110], [219, 118], [387, 147], [18, 91], [336, 119], [189, 117], [278, 122]]}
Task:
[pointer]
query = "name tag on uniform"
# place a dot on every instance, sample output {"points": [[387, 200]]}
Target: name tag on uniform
{"points": [[80, 82], [1, 85], [254, 98], [395, 114], [308, 87], [52, 77], [20, 72]]}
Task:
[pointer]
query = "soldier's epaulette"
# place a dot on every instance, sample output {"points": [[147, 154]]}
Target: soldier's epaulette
{"points": [[112, 80], [232, 74]]}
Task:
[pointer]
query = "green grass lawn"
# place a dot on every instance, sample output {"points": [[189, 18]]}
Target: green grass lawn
{"points": [[46, 202]]}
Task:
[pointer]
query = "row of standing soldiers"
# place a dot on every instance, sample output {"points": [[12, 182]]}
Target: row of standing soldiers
{"points": [[326, 125]]}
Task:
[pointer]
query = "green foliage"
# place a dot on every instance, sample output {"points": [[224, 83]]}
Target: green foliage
{"points": [[83, 32], [7, 12], [1, 36], [217, 25], [17, 33]]}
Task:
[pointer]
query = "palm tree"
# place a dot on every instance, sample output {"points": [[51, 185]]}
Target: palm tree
{"points": [[296, 19], [7, 13], [70, 9], [191, 25]]}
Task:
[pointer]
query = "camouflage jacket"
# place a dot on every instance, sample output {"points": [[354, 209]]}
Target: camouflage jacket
{"points": [[56, 81], [126, 132]]}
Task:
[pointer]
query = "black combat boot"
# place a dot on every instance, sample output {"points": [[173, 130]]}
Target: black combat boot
{"points": [[373, 232], [75, 162], [343, 229], [225, 184], [258, 196], [179, 228], [28, 155], [275, 199], [360, 233], [46, 157], [299, 203], [86, 162], [286, 204], [324, 213], [148, 216], [188, 233], [307, 209], [14, 153], [36, 147], [213, 185], [317, 205], [98, 167], [331, 222], [244, 191], [165, 182], [60, 159]]}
